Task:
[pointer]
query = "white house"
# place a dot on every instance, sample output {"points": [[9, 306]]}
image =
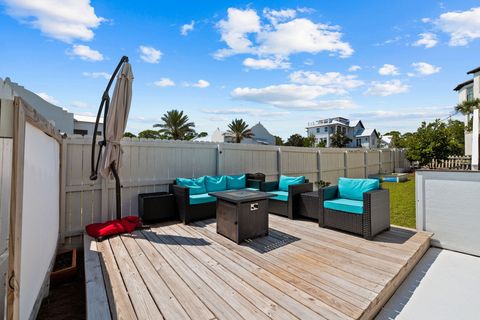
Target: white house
{"points": [[260, 136], [468, 91], [60, 118], [354, 129]]}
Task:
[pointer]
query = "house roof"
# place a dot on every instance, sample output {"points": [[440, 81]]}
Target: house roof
{"points": [[474, 70], [367, 133], [82, 118], [463, 84], [334, 122]]}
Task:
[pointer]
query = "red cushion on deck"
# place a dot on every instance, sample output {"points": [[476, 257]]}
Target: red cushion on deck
{"points": [[109, 228]]}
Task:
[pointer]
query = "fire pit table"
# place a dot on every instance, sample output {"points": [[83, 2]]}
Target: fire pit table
{"points": [[242, 214]]}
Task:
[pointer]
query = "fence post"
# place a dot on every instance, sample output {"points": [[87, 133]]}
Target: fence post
{"points": [[381, 161], [219, 158], [365, 163], [319, 166], [63, 182], [345, 163], [279, 163]]}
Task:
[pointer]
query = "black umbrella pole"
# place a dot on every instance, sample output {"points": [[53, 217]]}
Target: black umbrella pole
{"points": [[118, 190]]}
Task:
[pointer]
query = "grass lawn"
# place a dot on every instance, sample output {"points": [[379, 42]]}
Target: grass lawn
{"points": [[402, 202]]}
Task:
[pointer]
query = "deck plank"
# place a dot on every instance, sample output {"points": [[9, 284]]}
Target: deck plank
{"points": [[120, 304], [144, 305], [97, 300], [298, 271]]}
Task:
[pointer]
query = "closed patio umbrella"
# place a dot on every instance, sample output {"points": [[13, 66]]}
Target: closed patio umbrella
{"points": [[115, 122]]}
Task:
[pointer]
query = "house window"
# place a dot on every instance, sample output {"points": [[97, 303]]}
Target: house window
{"points": [[318, 130], [359, 142], [469, 93], [326, 129], [80, 131]]}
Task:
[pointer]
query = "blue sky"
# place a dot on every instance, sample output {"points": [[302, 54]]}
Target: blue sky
{"points": [[283, 63]]}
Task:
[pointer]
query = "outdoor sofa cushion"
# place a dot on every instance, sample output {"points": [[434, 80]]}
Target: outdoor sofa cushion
{"points": [[346, 205], [218, 183], [285, 181], [354, 189], [236, 182], [280, 195], [201, 198], [196, 185]]}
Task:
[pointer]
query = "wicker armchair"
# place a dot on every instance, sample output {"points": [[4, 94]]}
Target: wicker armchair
{"points": [[286, 207], [374, 219]]}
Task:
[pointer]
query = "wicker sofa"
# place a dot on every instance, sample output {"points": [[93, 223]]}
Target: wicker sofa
{"points": [[195, 204], [287, 190], [355, 205]]}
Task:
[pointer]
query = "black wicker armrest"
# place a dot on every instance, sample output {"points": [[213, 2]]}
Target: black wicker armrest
{"points": [[376, 206], [295, 189], [269, 186], [253, 183], [328, 193]]}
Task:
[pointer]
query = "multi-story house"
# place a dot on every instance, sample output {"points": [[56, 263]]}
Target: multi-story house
{"points": [[468, 91], [360, 136], [63, 120]]}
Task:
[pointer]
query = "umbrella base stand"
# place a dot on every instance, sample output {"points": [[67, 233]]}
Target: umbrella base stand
{"points": [[118, 191]]}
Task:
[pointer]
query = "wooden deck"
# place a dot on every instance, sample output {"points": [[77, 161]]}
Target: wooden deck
{"points": [[300, 271]]}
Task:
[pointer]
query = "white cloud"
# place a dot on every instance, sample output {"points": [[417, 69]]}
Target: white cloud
{"points": [[65, 20], [388, 70], [245, 111], [96, 75], [47, 98], [150, 54], [425, 69], [428, 40], [234, 31], [354, 68], [386, 88], [462, 26], [268, 64], [186, 28], [405, 113], [333, 80], [281, 35], [201, 84], [292, 96], [85, 53], [276, 16], [164, 82]]}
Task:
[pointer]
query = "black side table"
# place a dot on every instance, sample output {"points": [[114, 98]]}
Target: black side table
{"points": [[157, 206], [310, 206]]}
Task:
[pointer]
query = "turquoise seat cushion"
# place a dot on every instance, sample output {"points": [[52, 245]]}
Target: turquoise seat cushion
{"points": [[252, 189], [201, 198], [345, 205], [280, 195], [236, 182], [286, 181], [196, 185], [216, 183], [354, 189]]}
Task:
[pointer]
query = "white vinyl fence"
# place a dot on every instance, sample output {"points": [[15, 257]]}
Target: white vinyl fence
{"points": [[150, 165]]}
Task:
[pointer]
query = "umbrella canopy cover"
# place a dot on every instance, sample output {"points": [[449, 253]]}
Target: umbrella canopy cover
{"points": [[116, 121]]}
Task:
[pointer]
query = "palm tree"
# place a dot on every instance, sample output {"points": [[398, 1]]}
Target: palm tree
{"points": [[466, 108], [239, 129], [176, 126]]}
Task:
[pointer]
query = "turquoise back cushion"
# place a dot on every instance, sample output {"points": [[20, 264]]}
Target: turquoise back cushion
{"points": [[236, 182], [196, 185], [355, 188], [215, 183], [285, 181]]}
